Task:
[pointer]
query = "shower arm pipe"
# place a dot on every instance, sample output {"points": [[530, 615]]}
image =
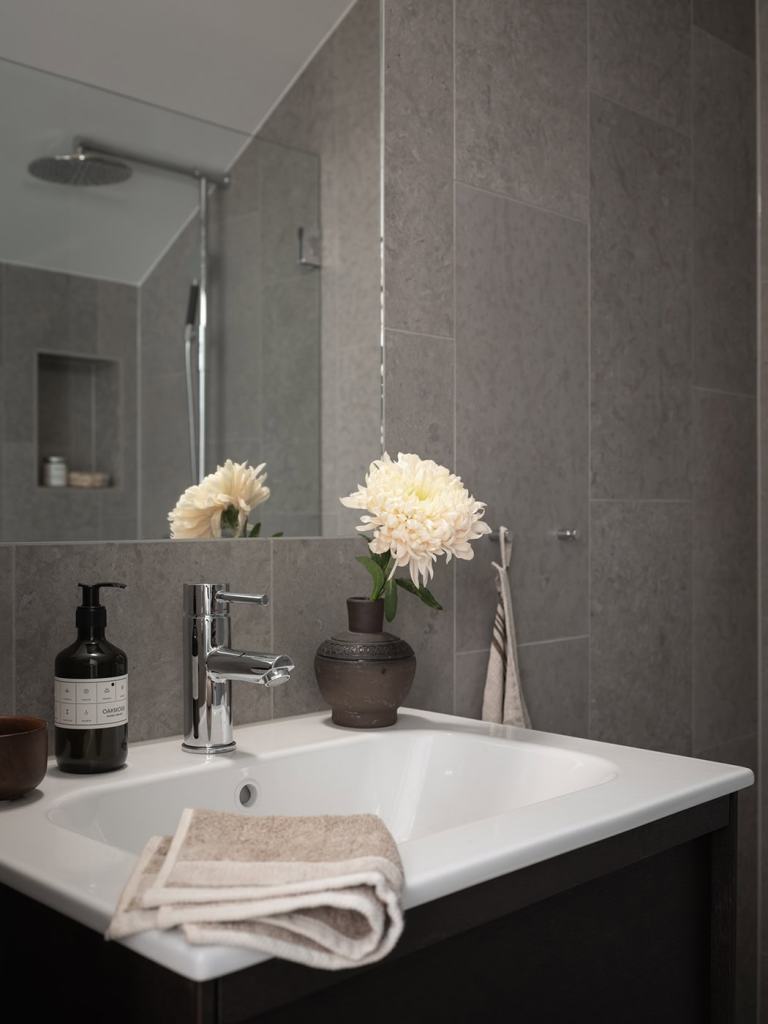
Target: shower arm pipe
{"points": [[98, 149], [202, 325]]}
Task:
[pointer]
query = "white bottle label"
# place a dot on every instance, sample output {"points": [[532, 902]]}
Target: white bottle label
{"points": [[91, 703]]}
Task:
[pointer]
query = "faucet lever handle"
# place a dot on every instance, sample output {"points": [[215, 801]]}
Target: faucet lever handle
{"points": [[228, 595]]}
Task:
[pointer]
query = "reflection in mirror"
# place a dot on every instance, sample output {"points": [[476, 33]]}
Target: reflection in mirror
{"points": [[123, 278]]}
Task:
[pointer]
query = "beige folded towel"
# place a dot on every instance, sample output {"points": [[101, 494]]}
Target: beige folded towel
{"points": [[323, 891], [503, 699]]}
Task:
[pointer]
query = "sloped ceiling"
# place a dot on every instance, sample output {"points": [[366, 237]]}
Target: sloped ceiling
{"points": [[177, 79]]}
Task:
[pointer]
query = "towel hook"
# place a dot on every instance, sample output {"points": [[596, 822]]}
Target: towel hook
{"points": [[504, 546]]}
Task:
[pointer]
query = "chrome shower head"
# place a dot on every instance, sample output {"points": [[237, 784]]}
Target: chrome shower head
{"points": [[80, 168]]}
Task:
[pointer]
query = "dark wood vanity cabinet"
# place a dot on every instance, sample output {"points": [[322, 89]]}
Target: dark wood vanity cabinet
{"points": [[636, 929]]}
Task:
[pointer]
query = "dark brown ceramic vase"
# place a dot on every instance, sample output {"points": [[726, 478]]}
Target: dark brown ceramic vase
{"points": [[364, 674]]}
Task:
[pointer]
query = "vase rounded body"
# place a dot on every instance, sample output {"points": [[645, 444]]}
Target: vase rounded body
{"points": [[363, 673]]}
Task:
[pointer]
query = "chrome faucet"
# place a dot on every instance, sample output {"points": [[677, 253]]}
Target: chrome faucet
{"points": [[210, 666]]}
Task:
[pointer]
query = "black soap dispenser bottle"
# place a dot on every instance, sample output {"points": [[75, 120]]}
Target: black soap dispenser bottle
{"points": [[91, 693]]}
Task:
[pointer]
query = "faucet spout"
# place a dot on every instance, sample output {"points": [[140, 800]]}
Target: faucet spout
{"points": [[250, 666]]}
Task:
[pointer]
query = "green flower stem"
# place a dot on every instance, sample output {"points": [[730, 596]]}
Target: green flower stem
{"points": [[379, 567], [380, 588]]}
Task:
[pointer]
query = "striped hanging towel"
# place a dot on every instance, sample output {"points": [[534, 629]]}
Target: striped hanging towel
{"points": [[503, 699]]}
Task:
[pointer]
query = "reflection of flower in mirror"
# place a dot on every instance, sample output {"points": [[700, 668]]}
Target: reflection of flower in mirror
{"points": [[417, 511], [223, 500]]}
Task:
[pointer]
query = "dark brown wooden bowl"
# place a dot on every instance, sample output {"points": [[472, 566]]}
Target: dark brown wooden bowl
{"points": [[23, 754]]}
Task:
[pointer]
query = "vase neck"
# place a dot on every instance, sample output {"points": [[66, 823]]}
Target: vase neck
{"points": [[365, 616]]}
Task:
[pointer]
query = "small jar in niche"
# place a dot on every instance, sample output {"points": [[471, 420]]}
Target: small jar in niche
{"points": [[54, 471]]}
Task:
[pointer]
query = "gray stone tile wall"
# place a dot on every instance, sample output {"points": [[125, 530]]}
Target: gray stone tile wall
{"points": [[80, 402], [333, 111], [762, 438], [640, 685], [521, 410], [724, 273], [307, 580], [642, 443], [640, 56], [640, 306], [418, 154], [521, 101], [589, 410]]}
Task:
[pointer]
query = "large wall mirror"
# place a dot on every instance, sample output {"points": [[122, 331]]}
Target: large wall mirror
{"points": [[190, 261]]}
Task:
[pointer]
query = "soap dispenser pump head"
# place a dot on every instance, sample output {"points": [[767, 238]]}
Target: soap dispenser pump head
{"points": [[91, 614]]}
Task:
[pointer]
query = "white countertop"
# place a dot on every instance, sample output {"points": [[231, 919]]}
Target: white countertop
{"points": [[444, 848]]}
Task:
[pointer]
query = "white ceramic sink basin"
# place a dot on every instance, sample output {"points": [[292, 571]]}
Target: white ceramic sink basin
{"points": [[421, 782], [466, 802]]}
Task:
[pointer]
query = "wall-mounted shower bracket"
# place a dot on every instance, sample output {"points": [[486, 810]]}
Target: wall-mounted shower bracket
{"points": [[309, 249]]}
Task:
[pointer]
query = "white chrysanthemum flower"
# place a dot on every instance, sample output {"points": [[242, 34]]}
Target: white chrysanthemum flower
{"points": [[417, 511], [199, 510]]}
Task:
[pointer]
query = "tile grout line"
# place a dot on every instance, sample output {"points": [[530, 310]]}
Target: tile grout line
{"points": [[641, 501], [14, 685], [139, 396], [271, 617], [589, 369], [419, 334], [554, 640], [695, 27], [521, 202], [692, 358], [453, 327], [531, 643], [759, 346], [646, 117], [724, 393], [382, 226]]}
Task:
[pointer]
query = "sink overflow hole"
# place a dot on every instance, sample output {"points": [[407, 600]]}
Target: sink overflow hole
{"points": [[247, 795]]}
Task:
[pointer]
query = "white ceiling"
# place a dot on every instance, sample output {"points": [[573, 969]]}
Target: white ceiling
{"points": [[226, 61], [180, 79]]}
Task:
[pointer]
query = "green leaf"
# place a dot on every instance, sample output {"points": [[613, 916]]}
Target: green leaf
{"points": [[377, 574], [407, 585], [390, 600], [422, 593], [278, 534], [429, 599], [382, 560], [255, 530]]}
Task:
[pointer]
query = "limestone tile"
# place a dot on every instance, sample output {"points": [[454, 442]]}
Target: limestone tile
{"points": [[521, 410], [724, 569], [640, 57], [471, 668], [145, 620], [7, 675], [418, 160], [521, 100], [640, 688], [418, 396], [555, 679], [312, 579], [641, 307], [733, 21], [724, 273]]}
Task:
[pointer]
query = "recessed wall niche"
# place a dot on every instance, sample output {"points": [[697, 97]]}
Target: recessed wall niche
{"points": [[78, 412]]}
